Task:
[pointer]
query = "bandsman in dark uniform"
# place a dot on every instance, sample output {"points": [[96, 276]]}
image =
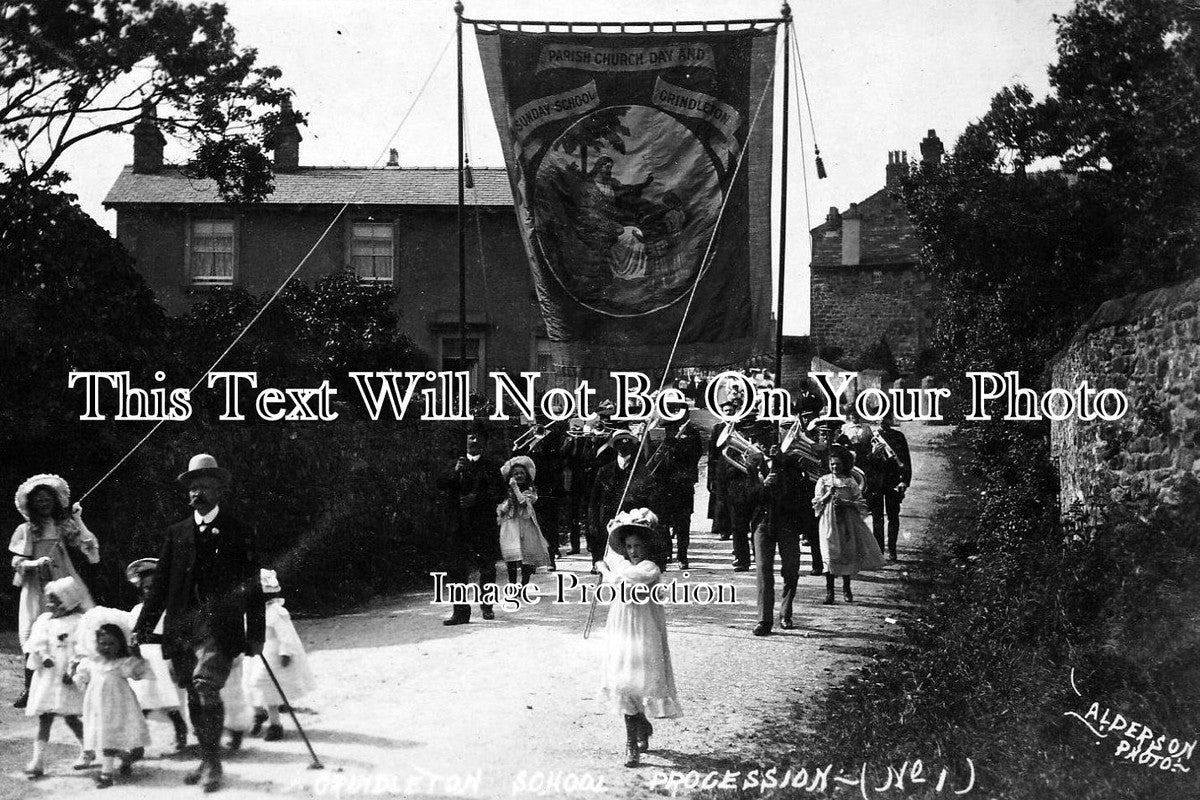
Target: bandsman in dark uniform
{"points": [[674, 470]]}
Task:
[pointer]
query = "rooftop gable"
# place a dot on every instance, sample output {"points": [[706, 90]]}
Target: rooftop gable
{"points": [[435, 186]]}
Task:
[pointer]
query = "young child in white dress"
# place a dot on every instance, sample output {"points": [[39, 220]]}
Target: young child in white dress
{"points": [[285, 653], [112, 719], [847, 545], [639, 681], [521, 542], [156, 691], [50, 653]]}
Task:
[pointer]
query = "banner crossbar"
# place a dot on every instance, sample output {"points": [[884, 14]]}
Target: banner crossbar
{"points": [[522, 26]]}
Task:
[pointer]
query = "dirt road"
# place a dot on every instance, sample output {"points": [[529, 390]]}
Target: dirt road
{"points": [[407, 707]]}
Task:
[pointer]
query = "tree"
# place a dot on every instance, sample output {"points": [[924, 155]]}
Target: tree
{"points": [[1126, 104], [1024, 257], [308, 334], [74, 69]]}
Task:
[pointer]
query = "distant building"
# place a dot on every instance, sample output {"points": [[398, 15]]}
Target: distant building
{"points": [[865, 285], [400, 229]]}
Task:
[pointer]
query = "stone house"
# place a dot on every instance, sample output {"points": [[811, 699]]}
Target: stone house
{"points": [[399, 227], [865, 285]]}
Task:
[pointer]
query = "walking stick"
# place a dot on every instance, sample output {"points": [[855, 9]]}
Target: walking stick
{"points": [[316, 762]]}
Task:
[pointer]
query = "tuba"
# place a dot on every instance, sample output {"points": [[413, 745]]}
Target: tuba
{"points": [[796, 441], [737, 450]]}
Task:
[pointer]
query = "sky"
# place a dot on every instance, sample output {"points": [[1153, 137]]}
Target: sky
{"points": [[879, 73]]}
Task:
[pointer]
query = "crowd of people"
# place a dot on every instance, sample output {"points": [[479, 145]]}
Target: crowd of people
{"points": [[770, 491], [210, 643]]}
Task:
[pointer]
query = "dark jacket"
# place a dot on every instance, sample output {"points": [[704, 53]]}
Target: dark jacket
{"points": [[232, 610], [891, 472], [606, 495], [473, 524], [678, 468], [788, 501]]}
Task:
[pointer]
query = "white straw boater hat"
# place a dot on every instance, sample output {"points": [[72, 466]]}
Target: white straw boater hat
{"points": [[52, 482], [136, 569], [637, 520], [524, 461], [269, 581], [203, 464]]}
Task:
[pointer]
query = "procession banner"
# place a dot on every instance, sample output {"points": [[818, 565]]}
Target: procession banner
{"points": [[623, 151]]}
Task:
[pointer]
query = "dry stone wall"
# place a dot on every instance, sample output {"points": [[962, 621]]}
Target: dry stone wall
{"points": [[1148, 346]]}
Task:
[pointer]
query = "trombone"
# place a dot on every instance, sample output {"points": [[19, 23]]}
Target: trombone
{"points": [[659, 456], [530, 438]]}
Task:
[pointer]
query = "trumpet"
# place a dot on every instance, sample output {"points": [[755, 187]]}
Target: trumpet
{"points": [[530, 438], [737, 450], [877, 441]]}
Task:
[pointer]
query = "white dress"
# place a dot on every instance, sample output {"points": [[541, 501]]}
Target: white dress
{"points": [[30, 543], [520, 534], [112, 718], [638, 677], [847, 544], [282, 640], [239, 716], [54, 638], [155, 690]]}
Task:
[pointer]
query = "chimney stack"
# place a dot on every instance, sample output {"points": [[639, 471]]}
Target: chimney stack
{"points": [[148, 141], [852, 236], [833, 217], [932, 149], [393, 158], [286, 140], [897, 167]]}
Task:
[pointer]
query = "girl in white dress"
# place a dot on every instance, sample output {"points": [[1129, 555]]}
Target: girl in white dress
{"points": [[521, 542], [39, 550], [285, 653], [847, 544], [639, 681], [50, 651], [112, 719], [155, 691]]}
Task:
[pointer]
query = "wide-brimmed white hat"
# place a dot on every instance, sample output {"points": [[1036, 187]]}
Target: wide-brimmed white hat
{"points": [[638, 520], [269, 581], [201, 465], [525, 461], [52, 482]]}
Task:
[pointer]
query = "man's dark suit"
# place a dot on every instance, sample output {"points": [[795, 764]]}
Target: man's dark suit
{"points": [[209, 594], [472, 495], [886, 496], [780, 519], [716, 485], [675, 484], [606, 502]]}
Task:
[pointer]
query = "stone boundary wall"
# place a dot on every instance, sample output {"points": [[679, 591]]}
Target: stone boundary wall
{"points": [[1148, 346]]}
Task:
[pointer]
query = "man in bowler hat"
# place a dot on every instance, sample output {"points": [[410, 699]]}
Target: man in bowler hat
{"points": [[209, 595], [472, 489]]}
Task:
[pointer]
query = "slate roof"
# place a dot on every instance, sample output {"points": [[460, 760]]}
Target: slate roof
{"points": [[325, 186]]}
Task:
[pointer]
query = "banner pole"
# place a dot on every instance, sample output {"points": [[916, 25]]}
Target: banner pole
{"points": [[787, 26], [462, 248]]}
